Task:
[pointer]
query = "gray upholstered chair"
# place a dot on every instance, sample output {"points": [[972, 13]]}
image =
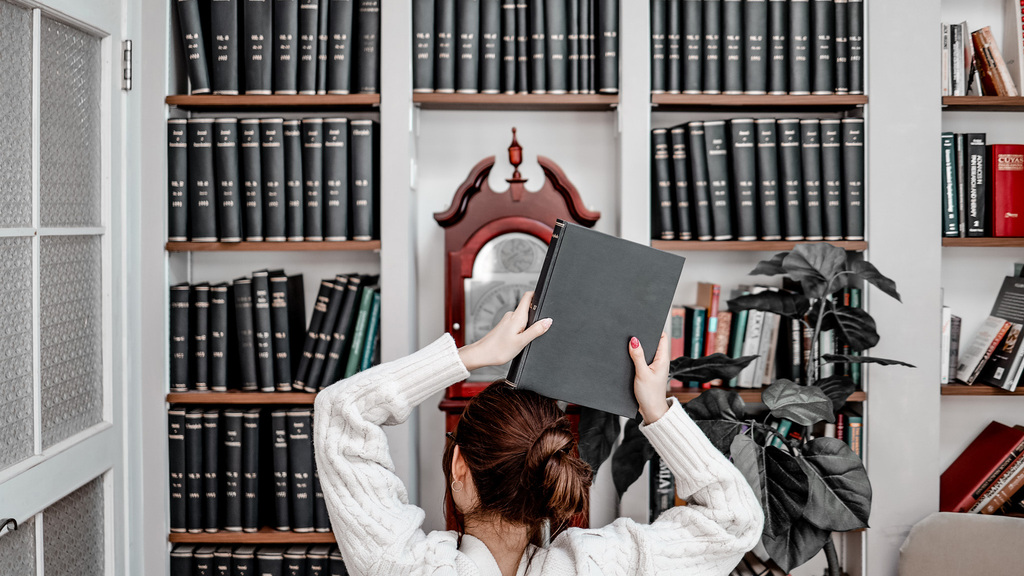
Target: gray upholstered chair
{"points": [[958, 544]]}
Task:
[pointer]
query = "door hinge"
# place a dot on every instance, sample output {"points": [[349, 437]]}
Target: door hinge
{"points": [[126, 65]]}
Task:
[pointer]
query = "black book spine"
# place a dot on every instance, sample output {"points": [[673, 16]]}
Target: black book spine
{"points": [[673, 46], [250, 470], [693, 46], [295, 561], [229, 205], [231, 471], [309, 345], [280, 337], [339, 46], [823, 26], [224, 32], [853, 177], [744, 174], [508, 46], [279, 431], [323, 41], [423, 45], [538, 47], [801, 52], [300, 469], [180, 344], [176, 468], [717, 154], [586, 46], [732, 46], [781, 57], [257, 39], [467, 46], [222, 561], [367, 26], [202, 561], [272, 169], [234, 367], [270, 561], [522, 48], [243, 561], [855, 40], [607, 65], [810, 147], [681, 183], [177, 180], [977, 211], [293, 181], [321, 517], [335, 179], [211, 466], [712, 47], [831, 179], [195, 46], [249, 169], [309, 28], [286, 48], [363, 180], [296, 319], [218, 359], [194, 470], [336, 563], [768, 180], [572, 36], [312, 174], [444, 46], [842, 47], [659, 31], [661, 200], [337, 352], [490, 46], [317, 560], [755, 48], [181, 560], [200, 326], [318, 363], [202, 204], [245, 334], [262, 331], [701, 188], [791, 174]]}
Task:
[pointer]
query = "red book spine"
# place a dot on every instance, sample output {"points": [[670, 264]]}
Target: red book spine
{"points": [[712, 321], [1007, 190]]}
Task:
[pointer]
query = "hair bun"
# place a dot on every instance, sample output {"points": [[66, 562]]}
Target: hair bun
{"points": [[559, 479]]}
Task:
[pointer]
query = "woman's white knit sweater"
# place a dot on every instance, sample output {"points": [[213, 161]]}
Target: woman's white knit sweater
{"points": [[380, 533]]}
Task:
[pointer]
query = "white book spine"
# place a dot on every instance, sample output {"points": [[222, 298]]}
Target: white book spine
{"points": [[973, 355], [947, 315], [751, 344], [945, 59]]}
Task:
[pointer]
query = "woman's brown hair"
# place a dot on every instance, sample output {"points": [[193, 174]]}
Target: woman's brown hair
{"points": [[522, 455]]}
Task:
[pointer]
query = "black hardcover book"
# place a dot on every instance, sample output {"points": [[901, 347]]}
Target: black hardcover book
{"points": [[790, 174], [339, 46], [832, 179], [245, 334], [300, 468], [823, 26], [295, 561], [323, 41], [662, 207], [250, 470], [717, 154], [270, 561], [522, 48], [319, 360], [810, 147], [587, 47], [228, 194], [853, 178], [234, 368], [977, 186], [712, 47], [768, 179], [842, 48], [855, 40], [181, 560], [218, 342], [243, 561], [537, 47], [673, 46], [231, 470], [755, 47], [272, 169], [321, 517], [202, 561], [659, 31], [293, 181], [701, 188], [681, 183], [281, 337], [286, 46], [195, 46], [194, 470], [309, 28], [340, 335], [181, 338], [296, 317], [367, 47], [176, 468], [279, 452], [423, 45], [693, 46], [363, 177], [310, 340], [507, 45], [257, 40], [312, 172], [336, 179], [177, 180], [732, 47], [262, 328], [251, 175], [444, 46], [222, 561], [211, 465], [202, 208], [200, 327], [803, 47], [317, 559], [585, 270], [607, 46], [467, 46], [780, 44], [336, 564], [490, 46], [744, 176], [572, 35], [662, 488]]}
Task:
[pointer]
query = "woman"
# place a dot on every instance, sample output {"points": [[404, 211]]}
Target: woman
{"points": [[510, 466]]}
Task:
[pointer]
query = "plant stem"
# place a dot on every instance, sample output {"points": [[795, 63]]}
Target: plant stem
{"points": [[831, 557], [814, 360]]}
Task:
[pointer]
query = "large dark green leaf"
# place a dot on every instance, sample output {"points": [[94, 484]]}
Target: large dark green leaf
{"points": [[798, 544], [782, 302], [839, 498], [838, 389], [630, 457], [805, 405], [845, 359], [717, 404], [747, 456], [866, 271], [770, 267], [785, 491], [707, 368], [598, 431], [853, 326], [815, 266]]}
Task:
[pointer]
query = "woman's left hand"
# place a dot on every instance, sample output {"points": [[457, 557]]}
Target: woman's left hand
{"points": [[506, 339]]}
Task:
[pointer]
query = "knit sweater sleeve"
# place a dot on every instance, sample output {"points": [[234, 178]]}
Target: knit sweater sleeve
{"points": [[377, 529]]}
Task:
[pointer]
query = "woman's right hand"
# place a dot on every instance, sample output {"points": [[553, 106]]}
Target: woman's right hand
{"points": [[506, 339], [651, 380]]}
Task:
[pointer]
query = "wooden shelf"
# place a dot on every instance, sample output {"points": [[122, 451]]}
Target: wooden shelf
{"points": [[747, 394], [979, 390], [751, 246], [272, 246], [760, 102], [264, 536], [984, 242], [983, 103], [238, 397], [556, 102], [252, 101]]}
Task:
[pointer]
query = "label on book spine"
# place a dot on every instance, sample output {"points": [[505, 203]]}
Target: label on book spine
{"points": [[176, 467], [200, 326]]}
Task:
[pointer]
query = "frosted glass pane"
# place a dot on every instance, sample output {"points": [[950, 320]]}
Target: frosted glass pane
{"points": [[18, 550], [71, 335], [70, 76], [16, 442], [73, 533], [15, 117]]}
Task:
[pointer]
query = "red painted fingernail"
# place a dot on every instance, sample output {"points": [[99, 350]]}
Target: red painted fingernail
{"points": [[634, 343]]}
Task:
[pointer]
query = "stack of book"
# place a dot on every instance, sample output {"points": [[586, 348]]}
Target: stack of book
{"points": [[322, 560], [981, 187], [757, 46], [995, 355], [765, 179], [516, 47], [973, 64], [988, 476], [270, 179], [281, 47], [250, 335]]}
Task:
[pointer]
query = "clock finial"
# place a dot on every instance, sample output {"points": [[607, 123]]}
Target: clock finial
{"points": [[515, 157]]}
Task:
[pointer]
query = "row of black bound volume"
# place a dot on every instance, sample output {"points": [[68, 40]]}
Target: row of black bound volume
{"points": [[239, 470], [757, 46], [764, 179], [296, 560], [281, 46], [274, 180], [250, 335], [516, 46]]}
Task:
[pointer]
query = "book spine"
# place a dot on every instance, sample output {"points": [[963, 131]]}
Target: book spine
{"points": [[507, 51], [791, 173], [701, 188], [200, 325], [842, 48], [538, 47], [1007, 162], [286, 35], [194, 470], [321, 517], [262, 331], [249, 169], [768, 180], [810, 152], [673, 46], [324, 336], [662, 489], [218, 344], [693, 46], [322, 43], [363, 174], [224, 56], [300, 469], [695, 344], [853, 177], [717, 154], [677, 347], [293, 182], [336, 179], [831, 178], [659, 31], [572, 50], [280, 337], [607, 65], [444, 46], [372, 333], [977, 191], [467, 46], [222, 561], [586, 46], [711, 329], [367, 47], [515, 370], [270, 561], [308, 29], [250, 470], [780, 39], [272, 168], [177, 180], [336, 564], [732, 47], [736, 342], [312, 172], [1008, 485], [202, 197], [855, 39], [176, 467], [712, 47], [181, 560], [195, 46], [755, 46], [359, 331], [954, 345], [231, 453], [339, 46], [180, 344], [257, 39], [202, 561], [309, 345], [523, 43], [744, 181], [662, 193], [959, 145], [490, 46], [229, 206], [823, 25], [245, 334], [423, 46], [681, 183], [279, 459], [211, 466], [805, 46]]}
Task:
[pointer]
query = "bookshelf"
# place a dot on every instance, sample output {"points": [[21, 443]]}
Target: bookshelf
{"points": [[767, 102], [237, 397], [982, 104], [250, 102], [984, 242], [328, 246], [517, 102], [962, 390], [263, 536], [752, 246]]}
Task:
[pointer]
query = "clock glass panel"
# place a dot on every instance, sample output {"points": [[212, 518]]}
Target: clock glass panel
{"points": [[504, 269]]}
